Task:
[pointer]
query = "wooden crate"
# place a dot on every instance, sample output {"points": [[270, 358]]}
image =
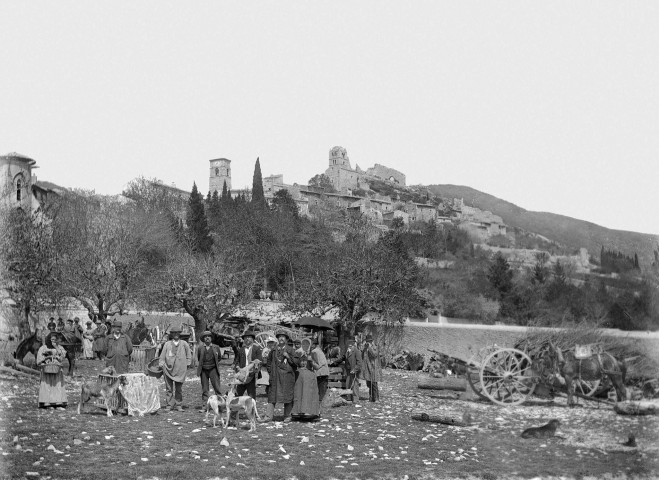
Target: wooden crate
{"points": [[141, 357], [117, 403], [336, 378]]}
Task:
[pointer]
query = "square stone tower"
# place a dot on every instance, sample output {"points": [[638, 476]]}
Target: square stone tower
{"points": [[220, 172]]}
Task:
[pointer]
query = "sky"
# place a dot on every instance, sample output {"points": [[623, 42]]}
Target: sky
{"points": [[553, 106]]}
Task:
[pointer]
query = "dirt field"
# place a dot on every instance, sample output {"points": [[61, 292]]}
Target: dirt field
{"points": [[375, 440]]}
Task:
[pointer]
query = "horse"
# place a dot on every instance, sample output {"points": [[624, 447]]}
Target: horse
{"points": [[30, 344], [33, 343], [595, 367], [139, 332]]}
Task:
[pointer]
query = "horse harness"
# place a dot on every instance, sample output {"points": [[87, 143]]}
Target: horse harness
{"points": [[593, 350]]}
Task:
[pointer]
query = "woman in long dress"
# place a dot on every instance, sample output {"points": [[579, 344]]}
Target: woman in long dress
{"points": [[51, 388], [306, 403], [88, 341]]}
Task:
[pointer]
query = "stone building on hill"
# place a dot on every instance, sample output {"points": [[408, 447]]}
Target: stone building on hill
{"points": [[344, 177]]}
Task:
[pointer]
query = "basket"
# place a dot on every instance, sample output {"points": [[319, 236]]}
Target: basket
{"points": [[153, 369], [51, 368]]}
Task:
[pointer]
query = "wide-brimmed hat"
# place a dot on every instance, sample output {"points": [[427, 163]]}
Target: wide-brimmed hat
{"points": [[206, 334], [69, 321], [89, 322], [249, 333], [279, 333], [175, 329], [271, 339], [369, 338], [117, 323]]}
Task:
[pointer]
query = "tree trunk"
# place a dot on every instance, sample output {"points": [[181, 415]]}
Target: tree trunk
{"points": [[643, 407], [24, 330], [424, 417], [430, 383]]}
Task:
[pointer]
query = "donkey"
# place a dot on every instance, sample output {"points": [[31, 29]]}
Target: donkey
{"points": [[594, 367]]}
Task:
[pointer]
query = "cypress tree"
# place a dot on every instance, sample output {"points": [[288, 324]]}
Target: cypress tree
{"points": [[258, 198], [198, 231]]}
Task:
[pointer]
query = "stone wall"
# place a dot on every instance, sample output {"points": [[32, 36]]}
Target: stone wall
{"points": [[463, 341], [387, 173]]}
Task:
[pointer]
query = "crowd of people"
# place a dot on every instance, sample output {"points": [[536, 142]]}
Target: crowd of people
{"points": [[298, 369]]}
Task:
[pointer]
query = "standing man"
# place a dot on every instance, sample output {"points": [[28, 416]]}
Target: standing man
{"points": [[208, 367], [371, 368], [174, 360], [352, 359], [319, 362], [119, 348], [248, 353]]}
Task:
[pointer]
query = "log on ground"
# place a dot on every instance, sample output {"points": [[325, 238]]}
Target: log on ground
{"points": [[424, 417], [11, 371], [23, 368], [642, 407], [452, 383]]}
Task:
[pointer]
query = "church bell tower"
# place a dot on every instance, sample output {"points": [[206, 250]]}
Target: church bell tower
{"points": [[220, 172]]}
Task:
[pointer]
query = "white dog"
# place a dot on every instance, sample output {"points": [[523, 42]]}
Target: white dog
{"points": [[244, 404], [215, 403]]}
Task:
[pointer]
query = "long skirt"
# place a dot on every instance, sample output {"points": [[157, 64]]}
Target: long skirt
{"points": [[87, 346], [306, 404], [51, 390]]}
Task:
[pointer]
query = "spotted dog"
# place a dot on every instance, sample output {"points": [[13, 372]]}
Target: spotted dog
{"points": [[244, 404]]}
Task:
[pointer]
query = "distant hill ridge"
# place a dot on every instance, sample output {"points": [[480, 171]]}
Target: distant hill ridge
{"points": [[569, 231]]}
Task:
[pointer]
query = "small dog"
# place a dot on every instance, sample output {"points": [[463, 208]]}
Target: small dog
{"points": [[216, 404], [106, 392], [244, 404], [546, 431]]}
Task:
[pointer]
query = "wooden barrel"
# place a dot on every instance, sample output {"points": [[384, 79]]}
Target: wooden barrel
{"points": [[117, 402]]}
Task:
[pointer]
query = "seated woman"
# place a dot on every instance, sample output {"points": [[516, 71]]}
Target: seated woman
{"points": [[51, 388], [306, 404]]}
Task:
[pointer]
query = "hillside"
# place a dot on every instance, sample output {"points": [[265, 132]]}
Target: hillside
{"points": [[569, 231]]}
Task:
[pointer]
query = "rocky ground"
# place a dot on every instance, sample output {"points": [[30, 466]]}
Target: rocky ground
{"points": [[372, 440]]}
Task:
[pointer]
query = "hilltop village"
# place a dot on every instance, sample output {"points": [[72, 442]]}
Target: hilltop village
{"points": [[379, 193]]}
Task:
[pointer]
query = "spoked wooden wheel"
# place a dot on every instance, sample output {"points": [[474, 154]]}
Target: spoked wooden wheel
{"points": [[262, 338], [587, 387], [473, 369], [506, 377]]}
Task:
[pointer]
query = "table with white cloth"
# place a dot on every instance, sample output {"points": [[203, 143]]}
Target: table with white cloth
{"points": [[141, 394]]}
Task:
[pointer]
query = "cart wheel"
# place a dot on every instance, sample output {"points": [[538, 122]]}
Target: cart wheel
{"points": [[262, 338], [473, 369], [587, 387], [506, 377]]}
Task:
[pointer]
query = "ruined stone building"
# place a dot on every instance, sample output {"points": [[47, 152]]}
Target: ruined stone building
{"points": [[343, 176]]}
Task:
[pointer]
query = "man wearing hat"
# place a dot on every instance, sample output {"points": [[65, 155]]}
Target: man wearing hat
{"points": [[208, 367], [370, 371], [119, 348], [281, 367], [248, 353], [352, 360], [174, 359]]}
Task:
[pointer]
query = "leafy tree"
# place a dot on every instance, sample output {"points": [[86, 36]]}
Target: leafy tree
{"points": [[500, 275], [322, 181], [258, 197], [198, 231], [284, 203], [359, 277], [27, 263]]}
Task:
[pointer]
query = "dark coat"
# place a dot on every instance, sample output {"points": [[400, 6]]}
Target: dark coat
{"points": [[282, 375], [240, 361], [118, 353], [352, 359], [217, 355]]}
